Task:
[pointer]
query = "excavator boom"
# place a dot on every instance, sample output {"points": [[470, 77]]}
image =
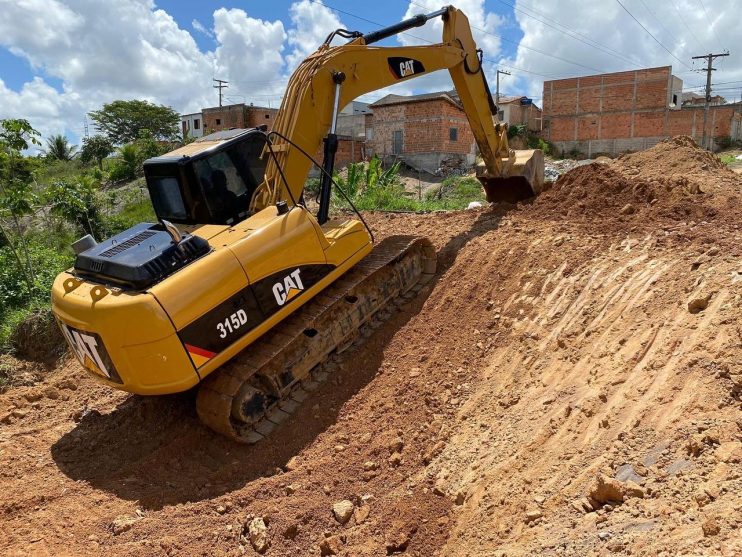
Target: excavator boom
{"points": [[335, 75]]}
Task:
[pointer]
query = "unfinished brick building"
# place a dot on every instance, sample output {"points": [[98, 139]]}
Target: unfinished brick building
{"points": [[237, 116], [627, 111], [422, 130]]}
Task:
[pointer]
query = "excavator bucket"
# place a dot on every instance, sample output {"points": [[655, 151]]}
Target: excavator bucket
{"points": [[524, 177]]}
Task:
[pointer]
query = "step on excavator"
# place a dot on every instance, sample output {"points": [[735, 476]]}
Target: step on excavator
{"points": [[239, 288]]}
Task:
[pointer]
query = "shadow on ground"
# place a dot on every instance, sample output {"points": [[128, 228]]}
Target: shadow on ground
{"points": [[154, 449]]}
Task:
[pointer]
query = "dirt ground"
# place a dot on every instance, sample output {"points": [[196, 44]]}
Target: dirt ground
{"points": [[569, 384]]}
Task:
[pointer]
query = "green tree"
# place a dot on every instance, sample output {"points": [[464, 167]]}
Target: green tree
{"points": [[122, 121], [75, 203], [96, 149], [17, 198], [59, 148]]}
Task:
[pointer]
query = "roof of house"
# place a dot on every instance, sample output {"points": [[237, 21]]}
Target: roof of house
{"points": [[450, 96], [507, 100], [236, 106]]}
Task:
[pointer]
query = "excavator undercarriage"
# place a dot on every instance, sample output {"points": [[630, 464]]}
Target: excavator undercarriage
{"points": [[261, 387]]}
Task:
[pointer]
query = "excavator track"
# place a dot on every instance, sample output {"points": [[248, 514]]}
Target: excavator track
{"points": [[262, 386]]}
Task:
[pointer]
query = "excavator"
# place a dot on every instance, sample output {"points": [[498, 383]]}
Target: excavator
{"points": [[239, 288]]}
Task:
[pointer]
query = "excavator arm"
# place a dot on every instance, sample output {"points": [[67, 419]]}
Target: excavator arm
{"points": [[333, 76]]}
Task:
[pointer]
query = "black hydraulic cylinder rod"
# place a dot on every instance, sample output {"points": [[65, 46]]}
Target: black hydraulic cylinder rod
{"points": [[416, 21], [331, 148], [328, 165]]}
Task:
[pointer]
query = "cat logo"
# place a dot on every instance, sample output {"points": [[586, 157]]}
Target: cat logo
{"points": [[287, 289], [88, 349], [404, 67]]}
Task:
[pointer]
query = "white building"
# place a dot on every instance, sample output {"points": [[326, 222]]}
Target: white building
{"points": [[192, 124]]}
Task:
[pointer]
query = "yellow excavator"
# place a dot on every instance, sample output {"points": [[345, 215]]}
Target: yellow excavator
{"points": [[239, 287]]}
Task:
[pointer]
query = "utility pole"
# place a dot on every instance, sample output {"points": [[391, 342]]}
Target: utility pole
{"points": [[706, 144], [220, 84], [85, 122], [497, 91]]}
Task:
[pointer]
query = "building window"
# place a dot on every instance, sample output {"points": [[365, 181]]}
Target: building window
{"points": [[397, 142], [218, 122], [267, 116], [196, 124], [453, 134]]}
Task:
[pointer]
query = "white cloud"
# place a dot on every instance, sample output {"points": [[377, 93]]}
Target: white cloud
{"points": [[485, 30], [685, 31], [131, 49], [48, 110], [144, 55], [313, 22], [201, 28], [249, 56]]}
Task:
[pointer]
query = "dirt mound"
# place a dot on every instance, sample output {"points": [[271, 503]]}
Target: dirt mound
{"points": [[673, 181], [38, 338], [604, 191], [678, 159], [556, 390]]}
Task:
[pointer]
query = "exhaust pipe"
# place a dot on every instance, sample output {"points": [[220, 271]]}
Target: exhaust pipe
{"points": [[84, 244]]}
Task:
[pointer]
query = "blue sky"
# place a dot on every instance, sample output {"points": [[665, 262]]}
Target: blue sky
{"points": [[59, 59]]}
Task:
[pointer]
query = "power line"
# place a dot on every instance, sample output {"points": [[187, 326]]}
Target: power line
{"points": [[709, 60], [220, 84], [651, 35], [524, 46], [711, 26], [680, 16], [572, 33], [654, 15]]}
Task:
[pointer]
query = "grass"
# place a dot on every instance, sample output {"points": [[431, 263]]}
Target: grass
{"points": [[729, 158], [452, 194]]}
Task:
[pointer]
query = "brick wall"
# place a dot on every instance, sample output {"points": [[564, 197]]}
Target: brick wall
{"points": [[349, 150], [425, 127], [258, 116], [624, 110], [237, 116], [515, 113]]}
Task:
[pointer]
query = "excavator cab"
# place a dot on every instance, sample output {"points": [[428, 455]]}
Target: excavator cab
{"points": [[209, 181]]}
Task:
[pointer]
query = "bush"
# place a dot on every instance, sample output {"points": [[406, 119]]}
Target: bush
{"points": [[311, 186], [76, 204], [724, 142], [517, 129], [17, 298], [126, 165], [539, 143]]}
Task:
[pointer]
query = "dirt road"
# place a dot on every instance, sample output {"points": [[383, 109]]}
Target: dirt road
{"points": [[568, 385]]}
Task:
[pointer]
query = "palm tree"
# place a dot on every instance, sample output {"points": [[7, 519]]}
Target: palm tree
{"points": [[58, 148]]}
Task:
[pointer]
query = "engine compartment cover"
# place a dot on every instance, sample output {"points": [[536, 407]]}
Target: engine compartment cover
{"points": [[139, 257]]}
